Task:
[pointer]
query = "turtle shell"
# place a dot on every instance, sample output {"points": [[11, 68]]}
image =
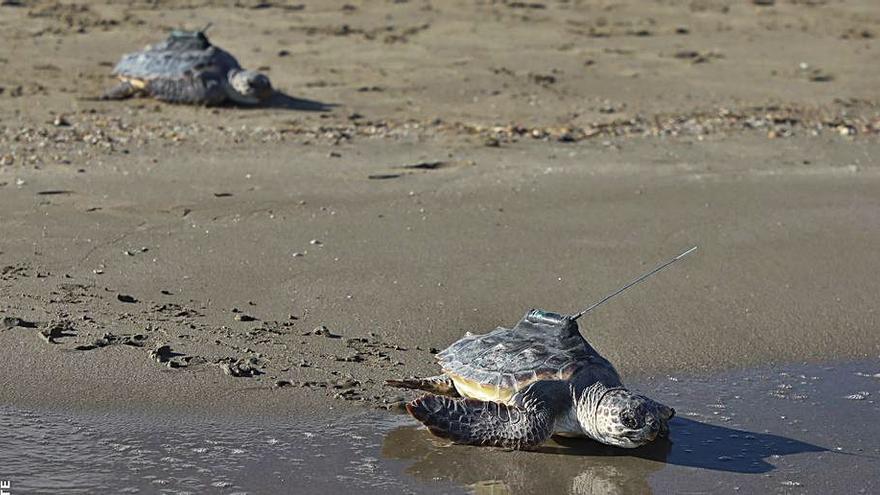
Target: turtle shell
{"points": [[182, 53], [542, 346]]}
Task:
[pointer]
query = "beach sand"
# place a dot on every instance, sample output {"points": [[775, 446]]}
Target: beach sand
{"points": [[435, 168]]}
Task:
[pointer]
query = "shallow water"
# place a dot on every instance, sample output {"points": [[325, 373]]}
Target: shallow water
{"points": [[793, 429]]}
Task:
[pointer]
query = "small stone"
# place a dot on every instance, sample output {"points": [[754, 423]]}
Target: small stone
{"points": [[162, 354], [61, 121], [324, 332], [283, 383], [126, 298], [345, 394], [241, 367], [315, 242], [346, 384], [243, 317], [297, 255], [57, 330], [8, 322], [353, 358]]}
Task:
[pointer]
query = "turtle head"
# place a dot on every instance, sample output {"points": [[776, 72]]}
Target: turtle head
{"points": [[624, 419], [249, 86]]}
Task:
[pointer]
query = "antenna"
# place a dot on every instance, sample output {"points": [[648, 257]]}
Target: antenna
{"points": [[634, 282]]}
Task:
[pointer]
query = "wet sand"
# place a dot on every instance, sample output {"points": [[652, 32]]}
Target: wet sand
{"points": [[403, 266], [430, 169], [786, 429]]}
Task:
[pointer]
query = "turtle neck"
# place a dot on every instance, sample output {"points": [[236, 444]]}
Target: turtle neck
{"points": [[587, 406]]}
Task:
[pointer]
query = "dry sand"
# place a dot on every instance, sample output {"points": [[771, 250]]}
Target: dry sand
{"points": [[441, 167]]}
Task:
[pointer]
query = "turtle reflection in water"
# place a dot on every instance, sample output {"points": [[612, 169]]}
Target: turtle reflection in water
{"points": [[576, 468], [514, 388]]}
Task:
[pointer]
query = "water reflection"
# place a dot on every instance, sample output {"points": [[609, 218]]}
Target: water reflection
{"points": [[588, 470], [579, 467]]}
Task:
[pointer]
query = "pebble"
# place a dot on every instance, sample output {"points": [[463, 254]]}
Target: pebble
{"points": [[126, 298], [56, 330], [352, 358], [347, 383], [324, 332], [162, 354], [242, 367], [8, 322]]}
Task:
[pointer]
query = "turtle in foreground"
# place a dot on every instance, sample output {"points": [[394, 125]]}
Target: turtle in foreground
{"points": [[187, 68], [514, 388]]}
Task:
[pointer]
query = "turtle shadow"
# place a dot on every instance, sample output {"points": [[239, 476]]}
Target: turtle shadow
{"points": [[571, 465], [700, 445], [283, 101]]}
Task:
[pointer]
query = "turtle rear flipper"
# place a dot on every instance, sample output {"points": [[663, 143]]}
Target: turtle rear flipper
{"points": [[440, 385], [121, 91], [524, 425]]}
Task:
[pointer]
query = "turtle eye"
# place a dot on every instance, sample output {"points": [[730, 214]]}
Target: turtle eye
{"points": [[629, 420]]}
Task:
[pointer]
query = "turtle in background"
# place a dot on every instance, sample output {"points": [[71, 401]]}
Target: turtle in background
{"points": [[187, 68], [515, 387]]}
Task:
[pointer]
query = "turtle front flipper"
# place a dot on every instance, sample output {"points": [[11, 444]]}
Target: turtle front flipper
{"points": [[440, 385], [525, 424], [121, 91]]}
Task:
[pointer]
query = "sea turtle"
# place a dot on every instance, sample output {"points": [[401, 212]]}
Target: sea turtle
{"points": [[187, 68], [516, 387]]}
